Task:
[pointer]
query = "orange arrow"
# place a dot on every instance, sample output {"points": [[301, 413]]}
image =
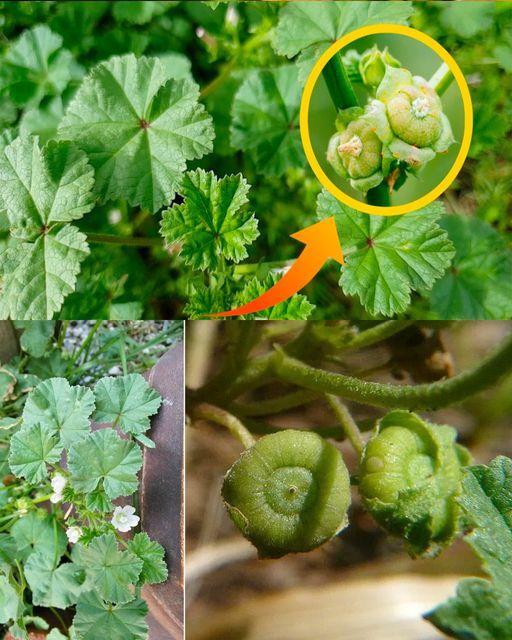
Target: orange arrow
{"points": [[322, 242]]}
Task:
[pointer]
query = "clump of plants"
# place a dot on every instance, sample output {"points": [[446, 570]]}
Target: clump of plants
{"points": [[290, 489], [69, 493]]}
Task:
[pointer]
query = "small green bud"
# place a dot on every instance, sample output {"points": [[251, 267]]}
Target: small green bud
{"points": [[289, 492], [410, 477], [372, 65]]}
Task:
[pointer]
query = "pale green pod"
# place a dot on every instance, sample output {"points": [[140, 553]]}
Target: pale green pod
{"points": [[372, 65], [414, 157], [415, 116], [360, 149], [288, 493], [410, 477]]}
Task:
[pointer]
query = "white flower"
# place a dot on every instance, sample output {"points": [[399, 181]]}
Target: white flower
{"points": [[123, 518], [58, 483], [73, 534]]}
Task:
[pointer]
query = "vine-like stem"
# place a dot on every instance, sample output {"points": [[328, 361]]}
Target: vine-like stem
{"points": [[422, 396], [105, 238], [338, 83], [205, 411], [441, 79], [347, 423]]}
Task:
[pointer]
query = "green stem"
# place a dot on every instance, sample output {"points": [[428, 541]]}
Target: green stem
{"points": [[422, 396], [379, 196], [441, 79], [105, 238], [85, 345], [225, 419], [376, 334], [338, 84], [347, 422], [275, 405]]}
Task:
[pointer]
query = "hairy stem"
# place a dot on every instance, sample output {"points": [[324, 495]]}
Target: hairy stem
{"points": [[347, 422], [225, 419], [378, 333], [105, 238], [422, 396], [441, 79], [275, 405], [338, 84]]}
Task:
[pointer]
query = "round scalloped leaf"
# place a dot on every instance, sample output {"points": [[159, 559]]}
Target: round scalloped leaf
{"points": [[102, 459], [61, 407], [139, 128], [117, 622], [53, 586], [126, 402], [32, 448]]}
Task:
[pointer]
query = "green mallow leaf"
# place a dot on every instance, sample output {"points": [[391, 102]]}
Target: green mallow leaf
{"points": [[55, 634], [35, 65], [151, 554], [36, 336], [386, 258], [139, 128], [32, 448], [9, 601], [265, 119], [8, 551], [119, 622], [42, 190], [39, 532], [214, 222], [479, 284], [64, 409], [297, 307], [126, 402], [103, 460], [112, 571], [482, 609], [310, 28], [138, 12], [53, 586]]}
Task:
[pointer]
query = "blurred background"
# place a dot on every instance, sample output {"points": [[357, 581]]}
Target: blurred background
{"points": [[361, 584]]}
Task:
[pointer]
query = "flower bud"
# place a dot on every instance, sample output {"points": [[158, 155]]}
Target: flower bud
{"points": [[372, 65], [410, 477]]}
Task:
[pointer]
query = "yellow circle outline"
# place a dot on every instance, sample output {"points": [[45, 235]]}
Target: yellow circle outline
{"points": [[468, 120]]}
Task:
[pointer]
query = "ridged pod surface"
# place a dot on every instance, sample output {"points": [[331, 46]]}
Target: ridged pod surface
{"points": [[410, 477], [288, 493]]}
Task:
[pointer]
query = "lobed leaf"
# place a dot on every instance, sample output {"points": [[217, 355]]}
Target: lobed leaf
{"points": [[31, 449], [482, 608], [102, 460], [118, 622], [386, 258], [126, 402], [297, 307], [213, 223], [63, 409], [309, 29], [41, 191], [139, 128], [52, 586], [265, 119], [112, 571], [37, 532], [151, 554], [479, 285], [9, 601]]}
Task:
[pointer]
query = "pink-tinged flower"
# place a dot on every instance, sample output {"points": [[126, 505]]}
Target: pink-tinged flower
{"points": [[124, 518]]}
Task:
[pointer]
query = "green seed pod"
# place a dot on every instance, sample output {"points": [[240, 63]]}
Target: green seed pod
{"points": [[372, 65], [288, 493], [410, 477], [356, 153]]}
